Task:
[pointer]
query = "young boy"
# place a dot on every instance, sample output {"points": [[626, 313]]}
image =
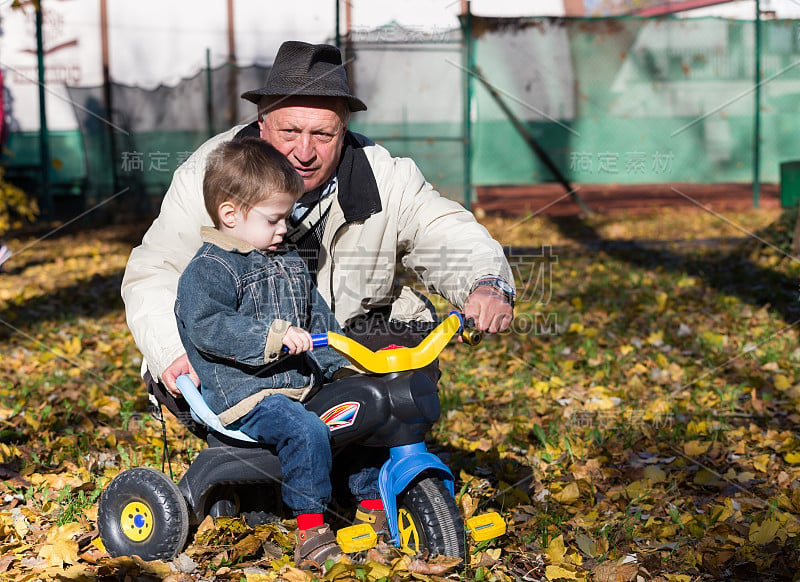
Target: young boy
{"points": [[240, 301]]}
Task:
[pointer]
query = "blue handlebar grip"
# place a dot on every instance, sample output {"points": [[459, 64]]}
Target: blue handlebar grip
{"points": [[318, 340]]}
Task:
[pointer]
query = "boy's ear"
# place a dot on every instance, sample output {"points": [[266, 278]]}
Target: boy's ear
{"points": [[227, 214]]}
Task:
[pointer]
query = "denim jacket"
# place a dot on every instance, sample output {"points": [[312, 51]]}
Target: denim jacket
{"points": [[234, 305]]}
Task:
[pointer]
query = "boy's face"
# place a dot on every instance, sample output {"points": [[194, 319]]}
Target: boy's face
{"points": [[265, 224]]}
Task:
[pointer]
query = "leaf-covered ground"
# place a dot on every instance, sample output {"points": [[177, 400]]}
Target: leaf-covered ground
{"points": [[640, 422]]}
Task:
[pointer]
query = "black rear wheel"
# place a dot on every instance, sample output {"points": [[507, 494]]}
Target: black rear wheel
{"points": [[142, 512], [428, 519]]}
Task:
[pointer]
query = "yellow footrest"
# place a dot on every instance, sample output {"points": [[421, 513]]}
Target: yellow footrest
{"points": [[486, 526], [356, 538]]}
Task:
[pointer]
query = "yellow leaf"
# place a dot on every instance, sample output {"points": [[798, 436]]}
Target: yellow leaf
{"points": [[626, 349], [293, 575], [782, 382], [568, 494], [705, 477], [72, 347], [378, 570], [760, 463], [560, 573], [107, 406], [556, 550], [253, 575], [654, 474], [714, 340], [763, 533], [468, 505], [575, 328], [577, 303], [59, 547], [695, 428], [637, 489], [78, 572], [792, 458], [661, 301], [285, 560], [696, 448], [587, 545], [656, 338]]}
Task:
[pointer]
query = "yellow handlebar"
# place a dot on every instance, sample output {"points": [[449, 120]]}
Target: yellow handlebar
{"points": [[397, 359]]}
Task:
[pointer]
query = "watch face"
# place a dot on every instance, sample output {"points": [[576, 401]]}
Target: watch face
{"points": [[505, 287]]}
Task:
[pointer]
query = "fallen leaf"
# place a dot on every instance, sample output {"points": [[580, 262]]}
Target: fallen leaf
{"points": [[560, 573], [613, 572], [60, 548], [556, 550], [696, 448], [654, 474], [569, 494], [587, 545], [763, 533]]}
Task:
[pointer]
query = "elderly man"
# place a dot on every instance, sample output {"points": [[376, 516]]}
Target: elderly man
{"points": [[363, 211]]}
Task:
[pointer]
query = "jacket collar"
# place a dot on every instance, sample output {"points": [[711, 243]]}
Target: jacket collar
{"points": [[358, 190], [225, 241]]}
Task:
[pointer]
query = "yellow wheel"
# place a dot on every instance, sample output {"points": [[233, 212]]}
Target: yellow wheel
{"points": [[409, 534], [428, 519], [136, 521], [142, 512]]}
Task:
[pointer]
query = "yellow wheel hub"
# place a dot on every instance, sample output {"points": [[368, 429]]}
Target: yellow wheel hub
{"points": [[136, 521], [409, 536]]}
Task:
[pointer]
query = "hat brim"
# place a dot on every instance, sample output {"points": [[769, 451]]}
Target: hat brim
{"points": [[353, 103]]}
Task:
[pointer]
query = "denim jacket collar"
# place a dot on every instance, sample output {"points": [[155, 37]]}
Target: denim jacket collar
{"points": [[225, 241]]}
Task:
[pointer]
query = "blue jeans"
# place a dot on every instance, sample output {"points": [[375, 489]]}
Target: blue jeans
{"points": [[302, 442]]}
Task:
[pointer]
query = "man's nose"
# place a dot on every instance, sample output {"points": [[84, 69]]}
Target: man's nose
{"points": [[304, 149]]}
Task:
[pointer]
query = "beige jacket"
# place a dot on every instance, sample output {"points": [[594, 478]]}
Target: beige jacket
{"points": [[397, 218]]}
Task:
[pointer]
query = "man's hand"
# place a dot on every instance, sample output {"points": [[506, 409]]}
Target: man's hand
{"points": [[297, 340], [177, 368], [489, 309]]}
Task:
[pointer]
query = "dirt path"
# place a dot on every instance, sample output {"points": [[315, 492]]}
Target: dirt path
{"points": [[551, 199]]}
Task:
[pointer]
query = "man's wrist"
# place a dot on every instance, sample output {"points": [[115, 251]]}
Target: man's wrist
{"points": [[498, 284]]}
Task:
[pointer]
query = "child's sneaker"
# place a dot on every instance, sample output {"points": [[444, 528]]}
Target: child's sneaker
{"points": [[315, 546], [375, 517], [5, 254]]}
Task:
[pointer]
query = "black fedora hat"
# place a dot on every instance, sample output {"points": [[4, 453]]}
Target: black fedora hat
{"points": [[301, 68]]}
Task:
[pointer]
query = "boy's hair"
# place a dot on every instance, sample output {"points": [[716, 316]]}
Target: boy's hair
{"points": [[247, 172]]}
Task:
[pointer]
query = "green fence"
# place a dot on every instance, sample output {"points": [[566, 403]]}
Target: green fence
{"points": [[612, 100]]}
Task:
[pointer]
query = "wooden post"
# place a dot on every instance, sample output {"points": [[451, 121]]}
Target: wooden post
{"points": [[45, 195], [108, 97], [233, 72]]}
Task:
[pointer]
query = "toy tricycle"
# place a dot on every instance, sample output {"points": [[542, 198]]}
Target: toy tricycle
{"points": [[143, 512]]}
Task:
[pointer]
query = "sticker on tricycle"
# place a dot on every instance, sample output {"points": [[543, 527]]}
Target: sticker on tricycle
{"points": [[341, 415]]}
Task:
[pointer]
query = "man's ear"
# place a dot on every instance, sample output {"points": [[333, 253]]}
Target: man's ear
{"points": [[227, 214]]}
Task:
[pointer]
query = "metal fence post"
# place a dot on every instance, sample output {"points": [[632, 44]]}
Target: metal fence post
{"points": [[466, 32]]}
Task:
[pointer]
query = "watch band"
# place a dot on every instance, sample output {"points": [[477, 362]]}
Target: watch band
{"points": [[498, 283]]}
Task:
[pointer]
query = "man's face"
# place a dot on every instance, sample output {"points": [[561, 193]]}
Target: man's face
{"points": [[309, 132]]}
